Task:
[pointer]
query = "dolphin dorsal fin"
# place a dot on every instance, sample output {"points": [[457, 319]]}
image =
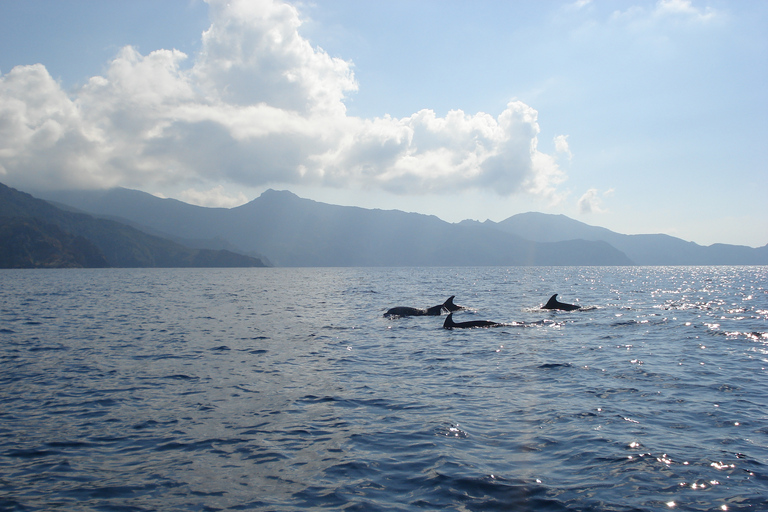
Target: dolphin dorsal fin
{"points": [[447, 304], [552, 301]]}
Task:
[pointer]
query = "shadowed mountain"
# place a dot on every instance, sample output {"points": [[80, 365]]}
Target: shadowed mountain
{"points": [[36, 234], [292, 231], [27, 242]]}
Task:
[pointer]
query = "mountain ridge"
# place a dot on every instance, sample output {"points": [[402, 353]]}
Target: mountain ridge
{"points": [[645, 249], [36, 234], [294, 231]]}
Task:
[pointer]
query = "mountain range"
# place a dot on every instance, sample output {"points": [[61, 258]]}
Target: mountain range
{"points": [[37, 234], [286, 230]]}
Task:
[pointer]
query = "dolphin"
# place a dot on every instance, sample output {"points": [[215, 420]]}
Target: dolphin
{"points": [[448, 306], [553, 303], [450, 324]]}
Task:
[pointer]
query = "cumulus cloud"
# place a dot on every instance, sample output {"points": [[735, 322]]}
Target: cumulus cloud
{"points": [[253, 54], [561, 145], [258, 105], [591, 202]]}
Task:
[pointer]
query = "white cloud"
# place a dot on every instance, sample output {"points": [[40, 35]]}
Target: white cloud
{"points": [[216, 197], [561, 145], [591, 202], [683, 8], [258, 105], [253, 53], [43, 137]]}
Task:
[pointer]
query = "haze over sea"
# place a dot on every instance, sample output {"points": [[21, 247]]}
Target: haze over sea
{"points": [[286, 389]]}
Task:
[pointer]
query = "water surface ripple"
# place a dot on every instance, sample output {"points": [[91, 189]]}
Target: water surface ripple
{"points": [[287, 389]]}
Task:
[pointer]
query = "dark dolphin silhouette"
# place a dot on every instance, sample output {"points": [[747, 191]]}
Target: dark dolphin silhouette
{"points": [[448, 306], [553, 303], [450, 324]]}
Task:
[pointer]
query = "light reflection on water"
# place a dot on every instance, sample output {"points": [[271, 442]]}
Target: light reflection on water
{"points": [[287, 389]]}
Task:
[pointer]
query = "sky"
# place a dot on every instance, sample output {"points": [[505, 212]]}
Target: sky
{"points": [[638, 116]]}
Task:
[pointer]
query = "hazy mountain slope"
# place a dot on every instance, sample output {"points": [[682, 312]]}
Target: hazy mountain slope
{"points": [[350, 236], [27, 221], [292, 231], [642, 249], [299, 232]]}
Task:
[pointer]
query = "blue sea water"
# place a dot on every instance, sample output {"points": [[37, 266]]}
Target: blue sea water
{"points": [[286, 389]]}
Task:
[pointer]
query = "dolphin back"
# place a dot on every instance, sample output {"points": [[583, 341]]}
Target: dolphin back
{"points": [[553, 303], [405, 311], [450, 324], [438, 310], [435, 310]]}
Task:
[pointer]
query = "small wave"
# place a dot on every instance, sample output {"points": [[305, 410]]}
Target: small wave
{"points": [[46, 349], [68, 444], [246, 390], [179, 376], [444, 490], [31, 453], [608, 393], [148, 424], [156, 356], [554, 366], [537, 323], [642, 322], [312, 399], [358, 290], [266, 457], [451, 430], [698, 305], [754, 335], [338, 327], [194, 446]]}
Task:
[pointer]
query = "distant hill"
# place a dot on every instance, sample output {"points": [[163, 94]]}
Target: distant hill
{"points": [[291, 231], [36, 234], [642, 249]]}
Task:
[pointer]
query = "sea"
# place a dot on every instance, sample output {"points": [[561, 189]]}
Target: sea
{"points": [[287, 389]]}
